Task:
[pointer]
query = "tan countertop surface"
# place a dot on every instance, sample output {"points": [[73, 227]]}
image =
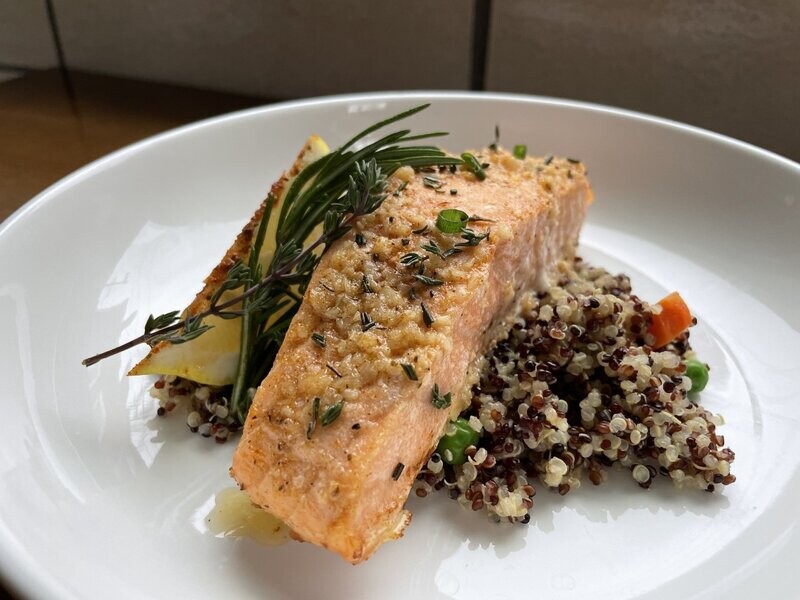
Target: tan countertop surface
{"points": [[49, 128]]}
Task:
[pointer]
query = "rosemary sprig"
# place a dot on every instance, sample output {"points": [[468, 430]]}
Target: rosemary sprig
{"points": [[250, 328], [333, 192], [304, 205]]}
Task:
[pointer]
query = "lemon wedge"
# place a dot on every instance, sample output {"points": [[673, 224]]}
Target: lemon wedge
{"points": [[212, 358]]}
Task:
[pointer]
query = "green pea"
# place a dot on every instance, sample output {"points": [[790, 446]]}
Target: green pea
{"points": [[458, 436], [698, 373]]}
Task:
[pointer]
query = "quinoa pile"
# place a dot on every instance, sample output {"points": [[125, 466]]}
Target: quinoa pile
{"points": [[207, 406], [573, 391]]}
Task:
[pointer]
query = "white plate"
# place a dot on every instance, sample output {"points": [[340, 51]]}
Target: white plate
{"points": [[101, 499]]}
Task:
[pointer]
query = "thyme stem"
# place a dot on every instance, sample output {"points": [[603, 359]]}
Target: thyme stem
{"points": [[280, 273]]}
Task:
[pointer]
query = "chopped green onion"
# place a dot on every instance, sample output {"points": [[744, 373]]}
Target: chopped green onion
{"points": [[451, 220], [520, 151], [473, 165]]}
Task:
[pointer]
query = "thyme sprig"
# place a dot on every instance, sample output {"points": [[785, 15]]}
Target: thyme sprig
{"points": [[333, 192]]}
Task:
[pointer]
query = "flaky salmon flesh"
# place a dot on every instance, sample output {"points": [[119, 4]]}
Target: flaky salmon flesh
{"points": [[342, 483]]}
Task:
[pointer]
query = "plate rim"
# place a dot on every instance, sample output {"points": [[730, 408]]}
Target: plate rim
{"points": [[21, 572], [120, 154]]}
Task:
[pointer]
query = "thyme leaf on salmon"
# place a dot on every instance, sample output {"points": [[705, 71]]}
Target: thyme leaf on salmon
{"points": [[330, 414], [451, 220]]}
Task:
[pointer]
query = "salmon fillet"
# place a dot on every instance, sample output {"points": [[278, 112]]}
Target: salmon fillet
{"points": [[343, 486]]}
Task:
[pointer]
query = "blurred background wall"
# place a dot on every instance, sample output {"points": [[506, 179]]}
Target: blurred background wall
{"points": [[732, 66]]}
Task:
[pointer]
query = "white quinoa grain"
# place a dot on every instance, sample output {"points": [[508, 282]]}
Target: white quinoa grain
{"points": [[641, 474], [194, 419]]}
